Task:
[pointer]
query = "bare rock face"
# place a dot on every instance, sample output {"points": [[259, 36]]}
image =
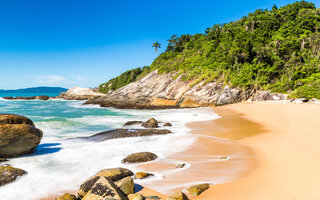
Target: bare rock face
{"points": [[268, 96], [114, 174], [104, 188], [9, 174], [228, 96], [140, 157], [78, 93], [18, 135], [151, 123]]}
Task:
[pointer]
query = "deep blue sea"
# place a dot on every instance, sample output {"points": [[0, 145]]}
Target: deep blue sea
{"points": [[10, 94], [59, 164]]}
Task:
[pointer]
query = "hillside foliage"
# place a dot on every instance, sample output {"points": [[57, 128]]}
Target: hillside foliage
{"points": [[277, 50]]}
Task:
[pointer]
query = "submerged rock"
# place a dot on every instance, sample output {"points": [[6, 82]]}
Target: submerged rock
{"points": [[142, 175], [129, 123], [178, 196], [67, 196], [114, 174], [104, 188], [126, 185], [167, 124], [123, 133], [198, 189], [151, 123], [9, 174], [136, 197], [140, 157], [18, 135]]}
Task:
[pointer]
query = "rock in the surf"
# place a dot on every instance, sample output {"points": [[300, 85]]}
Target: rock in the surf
{"points": [[104, 188], [167, 124], [113, 174], [151, 123], [123, 133], [136, 197], [142, 175], [182, 165], [67, 196], [177, 196], [140, 157], [3, 160], [126, 185], [130, 123], [9, 174], [18, 135], [198, 189]]}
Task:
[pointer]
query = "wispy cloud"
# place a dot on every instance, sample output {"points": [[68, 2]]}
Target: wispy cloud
{"points": [[49, 79]]}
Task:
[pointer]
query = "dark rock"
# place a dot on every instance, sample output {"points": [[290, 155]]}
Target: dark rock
{"points": [[42, 97], [142, 175], [18, 136], [151, 123], [9, 174], [198, 189], [114, 174], [167, 124], [123, 133], [140, 157], [129, 123], [67, 196], [182, 165], [103, 189]]}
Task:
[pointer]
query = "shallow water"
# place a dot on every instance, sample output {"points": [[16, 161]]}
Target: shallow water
{"points": [[59, 164]]}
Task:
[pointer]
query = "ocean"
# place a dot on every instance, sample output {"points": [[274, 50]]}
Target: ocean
{"points": [[11, 94], [59, 164]]}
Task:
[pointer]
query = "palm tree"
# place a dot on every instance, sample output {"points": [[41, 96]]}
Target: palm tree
{"points": [[156, 45]]}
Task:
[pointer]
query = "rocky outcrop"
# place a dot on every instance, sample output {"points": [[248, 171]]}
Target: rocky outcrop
{"points": [[104, 188], [114, 174], [18, 135], [140, 157], [163, 91], [41, 97], [123, 133], [67, 196], [142, 175], [78, 93], [150, 123], [268, 96], [9, 174], [198, 189]]}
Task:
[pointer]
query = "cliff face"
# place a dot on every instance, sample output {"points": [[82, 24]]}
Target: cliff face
{"points": [[162, 91]]}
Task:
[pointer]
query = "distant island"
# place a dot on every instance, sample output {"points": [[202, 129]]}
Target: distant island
{"points": [[37, 90]]}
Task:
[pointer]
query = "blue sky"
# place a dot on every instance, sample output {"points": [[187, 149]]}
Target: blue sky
{"points": [[84, 43]]}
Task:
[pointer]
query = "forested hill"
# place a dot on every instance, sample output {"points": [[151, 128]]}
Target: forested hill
{"points": [[277, 50]]}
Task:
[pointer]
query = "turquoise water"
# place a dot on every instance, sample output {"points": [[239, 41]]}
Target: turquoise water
{"points": [[59, 164], [27, 94]]}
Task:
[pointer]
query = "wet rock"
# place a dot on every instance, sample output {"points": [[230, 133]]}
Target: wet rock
{"points": [[129, 123], [167, 124], [18, 135], [67, 196], [103, 189], [126, 185], [114, 174], [136, 197], [178, 196], [123, 133], [9, 174], [140, 157], [198, 189], [42, 97], [3, 160], [182, 165], [142, 175], [228, 96], [151, 123]]}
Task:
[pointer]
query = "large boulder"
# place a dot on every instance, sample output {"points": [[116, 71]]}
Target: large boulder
{"points": [[9, 174], [228, 96], [103, 189], [198, 189], [18, 136], [140, 157], [177, 196], [67, 196], [150, 123], [114, 174], [126, 185], [123, 133]]}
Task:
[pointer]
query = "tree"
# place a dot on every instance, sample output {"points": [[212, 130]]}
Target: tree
{"points": [[156, 45]]}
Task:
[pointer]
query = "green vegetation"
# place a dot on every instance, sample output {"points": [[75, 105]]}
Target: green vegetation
{"points": [[277, 50], [156, 45]]}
